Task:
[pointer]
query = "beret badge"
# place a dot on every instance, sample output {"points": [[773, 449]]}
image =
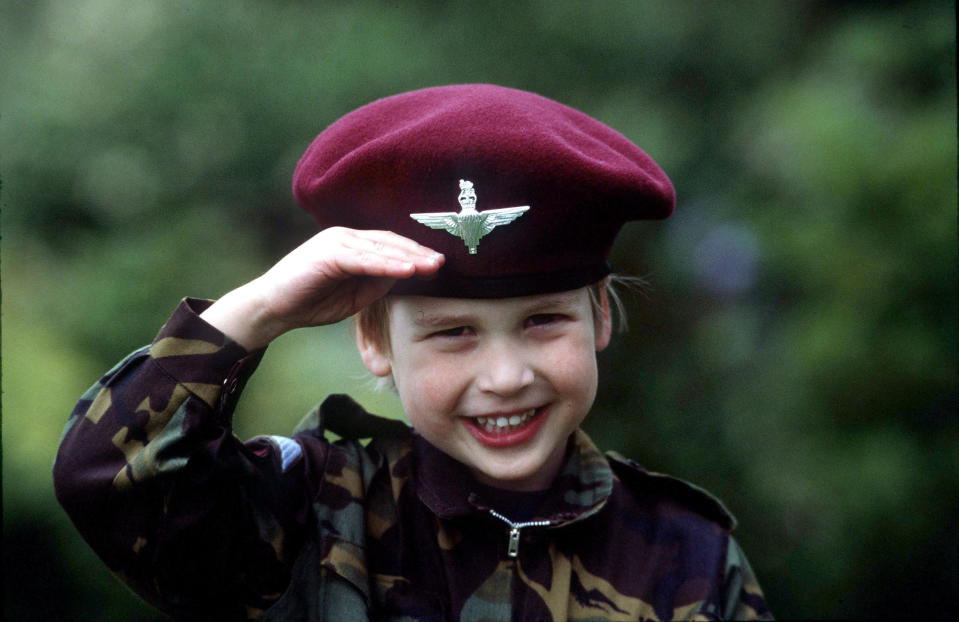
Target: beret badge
{"points": [[469, 224]]}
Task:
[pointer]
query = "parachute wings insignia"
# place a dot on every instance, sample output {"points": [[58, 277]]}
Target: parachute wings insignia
{"points": [[496, 217], [469, 224], [439, 220]]}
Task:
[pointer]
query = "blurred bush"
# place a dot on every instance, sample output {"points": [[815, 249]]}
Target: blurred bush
{"points": [[797, 355]]}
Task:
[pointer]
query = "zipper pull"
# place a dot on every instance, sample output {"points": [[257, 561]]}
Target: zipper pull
{"points": [[513, 549]]}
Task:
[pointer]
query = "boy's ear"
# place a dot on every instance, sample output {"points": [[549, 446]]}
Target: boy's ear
{"points": [[604, 323], [373, 354]]}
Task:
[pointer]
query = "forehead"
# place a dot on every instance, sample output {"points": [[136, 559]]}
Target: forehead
{"points": [[429, 310]]}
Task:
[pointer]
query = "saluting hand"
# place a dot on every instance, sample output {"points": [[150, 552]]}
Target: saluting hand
{"points": [[326, 279]]}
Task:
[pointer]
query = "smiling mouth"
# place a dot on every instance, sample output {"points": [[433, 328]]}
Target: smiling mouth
{"points": [[499, 431], [503, 424]]}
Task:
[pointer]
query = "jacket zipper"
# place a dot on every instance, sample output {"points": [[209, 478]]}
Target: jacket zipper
{"points": [[512, 548]]}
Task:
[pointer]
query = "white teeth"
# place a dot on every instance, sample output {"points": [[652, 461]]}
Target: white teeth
{"points": [[504, 424]]}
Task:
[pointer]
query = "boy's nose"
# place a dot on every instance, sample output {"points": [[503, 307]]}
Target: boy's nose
{"points": [[505, 371]]}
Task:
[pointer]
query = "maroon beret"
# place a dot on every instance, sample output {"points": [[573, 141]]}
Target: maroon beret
{"points": [[445, 166]]}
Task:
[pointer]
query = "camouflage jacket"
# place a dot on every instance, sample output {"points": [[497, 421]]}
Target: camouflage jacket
{"points": [[207, 527]]}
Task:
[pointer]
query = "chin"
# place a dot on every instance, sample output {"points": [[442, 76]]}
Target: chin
{"points": [[524, 478]]}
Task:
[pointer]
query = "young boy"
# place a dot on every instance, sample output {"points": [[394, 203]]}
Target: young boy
{"points": [[469, 227]]}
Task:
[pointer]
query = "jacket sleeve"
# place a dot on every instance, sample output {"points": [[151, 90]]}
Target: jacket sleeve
{"points": [[742, 598], [198, 523]]}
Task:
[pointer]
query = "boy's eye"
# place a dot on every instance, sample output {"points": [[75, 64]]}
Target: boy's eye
{"points": [[459, 331], [543, 319]]}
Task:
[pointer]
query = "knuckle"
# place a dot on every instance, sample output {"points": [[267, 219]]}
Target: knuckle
{"points": [[332, 235]]}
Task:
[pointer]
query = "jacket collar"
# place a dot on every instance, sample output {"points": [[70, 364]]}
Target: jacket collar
{"points": [[581, 489]]}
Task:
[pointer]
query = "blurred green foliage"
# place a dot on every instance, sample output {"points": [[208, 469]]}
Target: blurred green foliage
{"points": [[798, 355]]}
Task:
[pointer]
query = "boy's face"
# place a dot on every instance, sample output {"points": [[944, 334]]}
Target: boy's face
{"points": [[497, 384]]}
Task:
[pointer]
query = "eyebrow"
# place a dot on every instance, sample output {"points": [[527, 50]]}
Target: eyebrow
{"points": [[559, 301], [427, 320]]}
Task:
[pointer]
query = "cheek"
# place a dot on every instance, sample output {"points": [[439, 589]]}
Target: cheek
{"points": [[426, 389], [575, 371]]}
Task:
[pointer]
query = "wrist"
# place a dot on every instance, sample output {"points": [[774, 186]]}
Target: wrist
{"points": [[241, 316]]}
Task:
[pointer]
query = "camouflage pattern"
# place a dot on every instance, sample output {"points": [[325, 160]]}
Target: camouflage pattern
{"points": [[206, 527]]}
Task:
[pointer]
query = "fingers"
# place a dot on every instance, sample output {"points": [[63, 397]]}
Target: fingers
{"points": [[383, 253], [389, 244], [384, 239], [378, 264]]}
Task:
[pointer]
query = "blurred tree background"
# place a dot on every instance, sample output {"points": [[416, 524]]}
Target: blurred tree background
{"points": [[797, 355]]}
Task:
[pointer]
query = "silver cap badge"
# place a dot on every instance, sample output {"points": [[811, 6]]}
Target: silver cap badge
{"points": [[469, 224]]}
